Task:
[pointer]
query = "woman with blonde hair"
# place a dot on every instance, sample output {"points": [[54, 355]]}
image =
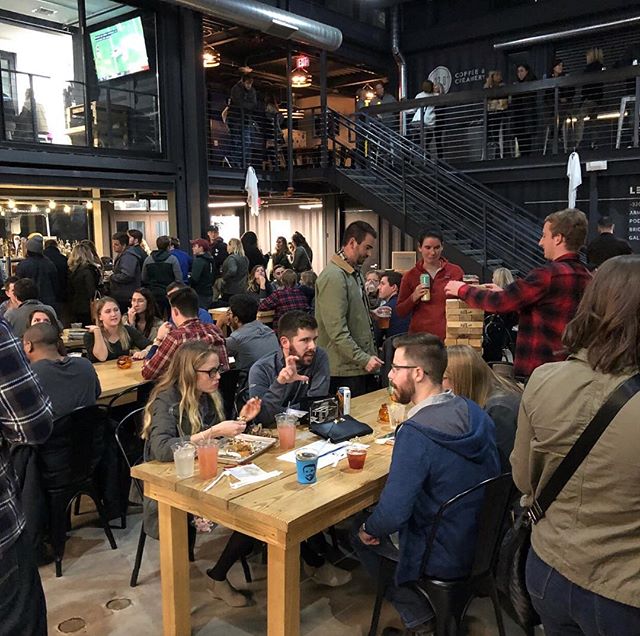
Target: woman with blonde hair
{"points": [[468, 375], [83, 283], [499, 333], [257, 283], [185, 406], [235, 270], [109, 339]]}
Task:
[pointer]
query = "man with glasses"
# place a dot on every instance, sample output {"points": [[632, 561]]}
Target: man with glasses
{"points": [[426, 304], [546, 299], [446, 446]]}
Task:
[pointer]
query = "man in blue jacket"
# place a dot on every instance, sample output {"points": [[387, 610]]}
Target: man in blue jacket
{"points": [[446, 446]]}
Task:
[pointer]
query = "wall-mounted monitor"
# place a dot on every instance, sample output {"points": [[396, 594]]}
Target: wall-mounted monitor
{"points": [[119, 50]]}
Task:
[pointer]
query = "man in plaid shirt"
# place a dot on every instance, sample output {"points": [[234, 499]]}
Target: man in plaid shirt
{"points": [[184, 312], [289, 298], [25, 418], [546, 299]]}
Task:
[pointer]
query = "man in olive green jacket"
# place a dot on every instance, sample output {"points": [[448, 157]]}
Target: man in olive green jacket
{"points": [[345, 329]]}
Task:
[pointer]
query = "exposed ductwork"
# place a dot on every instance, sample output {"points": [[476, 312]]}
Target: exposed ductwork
{"points": [[276, 22], [400, 61]]}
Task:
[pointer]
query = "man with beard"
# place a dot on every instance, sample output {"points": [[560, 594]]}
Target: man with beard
{"points": [[446, 446], [298, 371], [345, 328]]}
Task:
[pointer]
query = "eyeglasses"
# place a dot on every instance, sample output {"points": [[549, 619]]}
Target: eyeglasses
{"points": [[212, 372], [395, 367]]}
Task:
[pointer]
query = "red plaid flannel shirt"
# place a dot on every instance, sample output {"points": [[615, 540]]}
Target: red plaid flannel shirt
{"points": [[191, 329], [546, 300], [282, 301]]}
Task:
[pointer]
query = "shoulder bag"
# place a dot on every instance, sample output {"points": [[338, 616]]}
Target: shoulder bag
{"points": [[510, 573]]}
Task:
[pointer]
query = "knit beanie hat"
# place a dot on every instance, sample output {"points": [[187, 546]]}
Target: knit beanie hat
{"points": [[35, 244]]}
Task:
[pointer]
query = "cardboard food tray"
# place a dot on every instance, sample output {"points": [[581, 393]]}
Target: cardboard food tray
{"points": [[261, 444]]}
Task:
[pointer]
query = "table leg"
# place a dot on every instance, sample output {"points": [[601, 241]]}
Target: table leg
{"points": [[283, 590], [174, 571]]}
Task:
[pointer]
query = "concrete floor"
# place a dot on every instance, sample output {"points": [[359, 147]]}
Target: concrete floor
{"points": [[94, 590]]}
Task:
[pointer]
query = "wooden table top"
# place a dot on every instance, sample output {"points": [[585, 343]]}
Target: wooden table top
{"points": [[282, 499], [114, 380], [263, 316]]}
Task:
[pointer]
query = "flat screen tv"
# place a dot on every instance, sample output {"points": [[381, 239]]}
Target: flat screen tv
{"points": [[119, 50]]}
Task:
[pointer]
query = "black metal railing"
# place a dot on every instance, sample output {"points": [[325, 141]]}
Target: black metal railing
{"points": [[37, 109], [596, 111], [430, 192]]}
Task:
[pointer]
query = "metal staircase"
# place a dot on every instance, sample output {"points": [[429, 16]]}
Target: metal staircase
{"points": [[395, 178]]}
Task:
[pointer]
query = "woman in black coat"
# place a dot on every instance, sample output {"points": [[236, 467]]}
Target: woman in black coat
{"points": [[84, 281], [523, 112], [252, 251]]}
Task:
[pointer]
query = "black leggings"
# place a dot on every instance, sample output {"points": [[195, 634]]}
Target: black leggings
{"points": [[240, 545]]}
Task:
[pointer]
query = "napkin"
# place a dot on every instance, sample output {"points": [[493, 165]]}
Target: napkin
{"points": [[249, 474]]}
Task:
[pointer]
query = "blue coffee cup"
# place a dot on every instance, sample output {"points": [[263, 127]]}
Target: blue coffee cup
{"points": [[306, 466]]}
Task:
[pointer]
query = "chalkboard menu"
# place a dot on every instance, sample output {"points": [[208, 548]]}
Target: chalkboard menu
{"points": [[633, 226]]}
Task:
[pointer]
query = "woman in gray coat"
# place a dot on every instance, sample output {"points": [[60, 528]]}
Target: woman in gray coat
{"points": [[185, 406], [235, 270]]}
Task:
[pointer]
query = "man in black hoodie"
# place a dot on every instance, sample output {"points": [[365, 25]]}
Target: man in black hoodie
{"points": [[52, 252], [161, 268], [41, 271], [203, 272]]}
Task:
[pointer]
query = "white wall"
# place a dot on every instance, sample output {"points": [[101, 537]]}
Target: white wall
{"points": [[44, 53]]}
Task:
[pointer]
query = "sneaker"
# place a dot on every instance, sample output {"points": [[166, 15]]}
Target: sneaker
{"points": [[224, 591], [328, 574]]}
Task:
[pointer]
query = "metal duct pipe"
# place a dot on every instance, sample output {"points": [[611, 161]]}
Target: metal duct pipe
{"points": [[400, 62], [262, 17], [571, 33]]}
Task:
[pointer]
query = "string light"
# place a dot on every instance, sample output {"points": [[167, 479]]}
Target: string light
{"points": [[11, 203], [67, 209], [89, 204], [34, 208], [52, 204]]}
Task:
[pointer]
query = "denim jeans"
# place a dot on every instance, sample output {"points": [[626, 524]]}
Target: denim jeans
{"points": [[22, 605], [567, 609], [413, 607]]}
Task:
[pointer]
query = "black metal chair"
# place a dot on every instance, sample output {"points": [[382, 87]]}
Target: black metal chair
{"points": [[131, 446], [451, 598], [68, 462], [388, 349]]}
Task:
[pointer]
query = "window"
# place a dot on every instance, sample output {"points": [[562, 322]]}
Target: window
{"points": [[48, 98], [162, 228]]}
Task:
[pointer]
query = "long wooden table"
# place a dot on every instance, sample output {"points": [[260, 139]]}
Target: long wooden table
{"points": [[280, 512], [114, 380]]}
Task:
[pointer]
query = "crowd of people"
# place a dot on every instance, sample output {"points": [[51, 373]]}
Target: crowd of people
{"points": [[577, 338]]}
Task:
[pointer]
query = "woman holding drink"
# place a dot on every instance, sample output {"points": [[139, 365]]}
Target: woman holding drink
{"points": [[185, 406]]}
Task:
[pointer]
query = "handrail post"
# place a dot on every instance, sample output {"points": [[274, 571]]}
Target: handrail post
{"points": [[404, 194], [636, 112], [422, 141], [484, 235], [3, 135], [243, 148], [289, 116], [485, 129], [324, 149], [556, 119]]}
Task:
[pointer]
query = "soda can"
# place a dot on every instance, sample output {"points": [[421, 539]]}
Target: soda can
{"points": [[344, 397], [425, 279]]}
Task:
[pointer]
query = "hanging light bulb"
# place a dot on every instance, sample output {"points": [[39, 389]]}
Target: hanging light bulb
{"points": [[11, 203], [369, 93], [52, 204], [34, 208], [67, 209], [210, 57], [300, 78], [89, 204]]}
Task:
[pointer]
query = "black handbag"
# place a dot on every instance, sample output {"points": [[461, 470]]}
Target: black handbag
{"points": [[510, 571], [341, 429]]}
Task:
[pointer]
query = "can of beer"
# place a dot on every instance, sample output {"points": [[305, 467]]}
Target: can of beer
{"points": [[344, 398], [425, 279]]}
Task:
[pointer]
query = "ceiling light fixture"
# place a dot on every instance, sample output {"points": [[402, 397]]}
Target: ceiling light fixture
{"points": [[89, 204], [210, 57], [226, 204], [300, 78], [11, 203], [67, 209], [34, 208], [52, 204], [369, 93]]}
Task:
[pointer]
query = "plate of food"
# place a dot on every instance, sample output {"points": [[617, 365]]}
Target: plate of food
{"points": [[243, 448]]}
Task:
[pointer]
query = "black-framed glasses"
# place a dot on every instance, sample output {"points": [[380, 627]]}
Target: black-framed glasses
{"points": [[212, 372], [395, 367]]}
